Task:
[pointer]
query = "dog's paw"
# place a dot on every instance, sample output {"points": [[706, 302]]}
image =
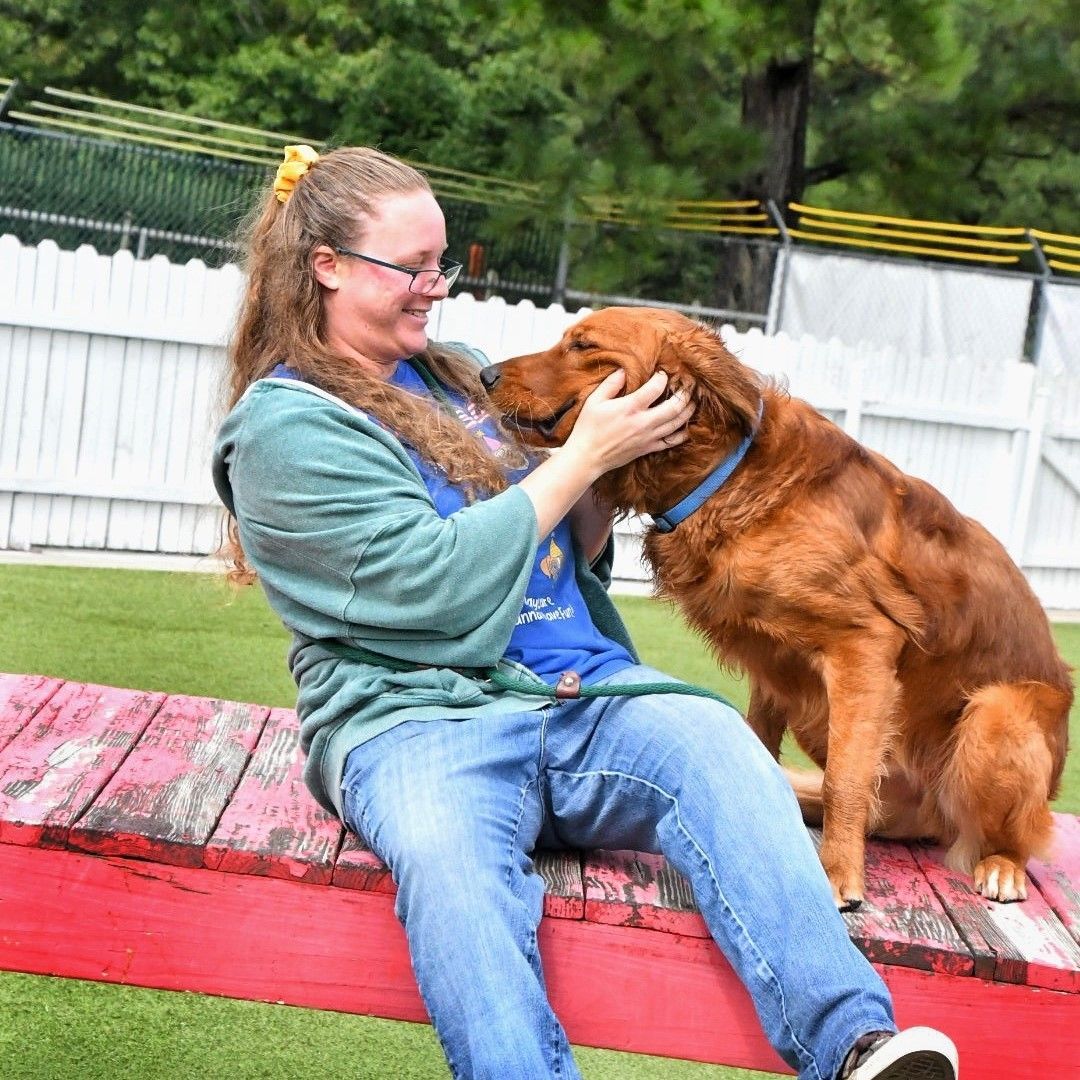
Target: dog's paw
{"points": [[847, 890], [999, 878]]}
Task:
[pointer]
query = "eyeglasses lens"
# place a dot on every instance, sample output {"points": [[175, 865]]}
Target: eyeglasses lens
{"points": [[426, 281]]}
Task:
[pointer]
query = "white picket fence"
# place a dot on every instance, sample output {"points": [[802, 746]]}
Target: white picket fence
{"points": [[109, 388]]}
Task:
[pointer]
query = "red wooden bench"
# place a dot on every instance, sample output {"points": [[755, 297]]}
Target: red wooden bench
{"points": [[168, 842]]}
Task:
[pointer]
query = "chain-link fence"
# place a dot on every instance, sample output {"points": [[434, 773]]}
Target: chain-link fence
{"points": [[717, 277], [118, 195], [121, 196], [114, 195]]}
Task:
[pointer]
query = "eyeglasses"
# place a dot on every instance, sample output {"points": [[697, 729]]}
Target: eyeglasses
{"points": [[423, 281]]}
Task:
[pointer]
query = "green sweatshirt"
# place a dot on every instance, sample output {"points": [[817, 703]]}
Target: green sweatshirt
{"points": [[349, 548]]}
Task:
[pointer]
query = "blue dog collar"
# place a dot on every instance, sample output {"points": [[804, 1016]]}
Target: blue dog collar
{"points": [[667, 521]]}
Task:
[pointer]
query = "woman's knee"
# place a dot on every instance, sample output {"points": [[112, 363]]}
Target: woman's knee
{"points": [[711, 739]]}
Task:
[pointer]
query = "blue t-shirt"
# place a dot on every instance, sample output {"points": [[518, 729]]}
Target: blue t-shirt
{"points": [[554, 631]]}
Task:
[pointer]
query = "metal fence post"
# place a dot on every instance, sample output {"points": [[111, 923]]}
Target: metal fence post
{"points": [[776, 293], [1038, 303], [9, 93], [562, 268], [125, 231]]}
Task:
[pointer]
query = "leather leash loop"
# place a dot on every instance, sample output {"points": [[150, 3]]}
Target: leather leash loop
{"points": [[568, 686]]}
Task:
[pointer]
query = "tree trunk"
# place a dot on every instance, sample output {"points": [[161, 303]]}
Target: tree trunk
{"points": [[775, 103]]}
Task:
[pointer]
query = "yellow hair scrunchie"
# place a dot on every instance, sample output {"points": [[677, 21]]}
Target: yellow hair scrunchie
{"points": [[298, 159]]}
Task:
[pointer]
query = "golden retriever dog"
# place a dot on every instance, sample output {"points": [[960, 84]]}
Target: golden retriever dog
{"points": [[891, 635]]}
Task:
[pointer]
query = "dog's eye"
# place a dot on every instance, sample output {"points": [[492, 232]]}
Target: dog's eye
{"points": [[580, 343]]}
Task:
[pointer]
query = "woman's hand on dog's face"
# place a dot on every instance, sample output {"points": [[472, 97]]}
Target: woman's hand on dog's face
{"points": [[611, 430]]}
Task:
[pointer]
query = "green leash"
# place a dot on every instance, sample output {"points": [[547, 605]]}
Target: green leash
{"points": [[568, 687]]}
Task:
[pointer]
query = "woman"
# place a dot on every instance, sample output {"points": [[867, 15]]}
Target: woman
{"points": [[410, 548]]}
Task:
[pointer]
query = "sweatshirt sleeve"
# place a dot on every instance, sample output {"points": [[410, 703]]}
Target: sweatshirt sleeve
{"points": [[344, 536]]}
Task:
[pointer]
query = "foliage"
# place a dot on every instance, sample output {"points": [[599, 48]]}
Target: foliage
{"points": [[954, 109], [997, 141]]}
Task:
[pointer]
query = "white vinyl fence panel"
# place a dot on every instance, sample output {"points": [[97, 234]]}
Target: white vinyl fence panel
{"points": [[922, 310], [1059, 344], [1052, 552], [110, 372]]}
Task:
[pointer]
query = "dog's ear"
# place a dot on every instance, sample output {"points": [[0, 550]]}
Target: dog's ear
{"points": [[727, 393]]}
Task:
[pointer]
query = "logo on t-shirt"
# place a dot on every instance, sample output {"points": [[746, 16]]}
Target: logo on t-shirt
{"points": [[552, 562]]}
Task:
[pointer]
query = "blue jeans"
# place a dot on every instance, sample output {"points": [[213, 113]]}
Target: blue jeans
{"points": [[455, 807]]}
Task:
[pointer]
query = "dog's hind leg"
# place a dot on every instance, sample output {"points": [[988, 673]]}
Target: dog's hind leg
{"points": [[901, 809], [1007, 754]]}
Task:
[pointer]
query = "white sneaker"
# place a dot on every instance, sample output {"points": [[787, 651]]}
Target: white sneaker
{"points": [[919, 1053]]}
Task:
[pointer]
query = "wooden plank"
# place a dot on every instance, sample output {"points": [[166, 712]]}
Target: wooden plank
{"points": [[177, 782], [647, 992], [165, 800], [358, 867], [180, 928], [272, 826], [1000, 1029], [51, 771], [651, 992], [1028, 941], [1059, 878], [634, 888], [21, 698], [564, 891], [622, 987], [903, 922]]}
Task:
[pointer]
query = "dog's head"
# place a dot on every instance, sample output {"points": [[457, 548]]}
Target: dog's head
{"points": [[541, 394]]}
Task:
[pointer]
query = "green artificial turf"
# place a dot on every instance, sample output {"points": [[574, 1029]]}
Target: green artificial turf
{"points": [[55, 1029], [177, 632], [189, 633]]}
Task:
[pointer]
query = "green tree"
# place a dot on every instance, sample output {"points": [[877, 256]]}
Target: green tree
{"points": [[997, 142], [67, 42], [717, 97], [668, 99], [956, 109]]}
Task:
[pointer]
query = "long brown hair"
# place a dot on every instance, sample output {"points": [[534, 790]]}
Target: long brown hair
{"points": [[281, 319]]}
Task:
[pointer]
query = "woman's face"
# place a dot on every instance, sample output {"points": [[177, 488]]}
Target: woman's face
{"points": [[370, 313]]}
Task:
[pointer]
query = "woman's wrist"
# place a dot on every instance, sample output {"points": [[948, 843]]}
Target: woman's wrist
{"points": [[556, 485]]}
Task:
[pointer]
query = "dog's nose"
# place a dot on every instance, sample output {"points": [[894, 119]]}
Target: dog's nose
{"points": [[490, 375]]}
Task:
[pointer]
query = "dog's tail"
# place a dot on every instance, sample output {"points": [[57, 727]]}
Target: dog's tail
{"points": [[807, 785], [1008, 751], [899, 808]]}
